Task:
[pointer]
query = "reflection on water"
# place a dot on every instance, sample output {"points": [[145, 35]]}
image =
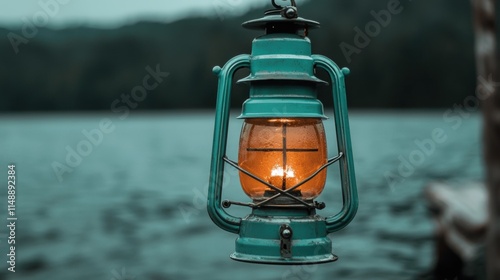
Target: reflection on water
{"points": [[134, 204]]}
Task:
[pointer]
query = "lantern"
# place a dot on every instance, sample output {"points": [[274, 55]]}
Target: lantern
{"points": [[282, 159]]}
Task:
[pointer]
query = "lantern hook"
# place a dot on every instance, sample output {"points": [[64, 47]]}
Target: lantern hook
{"points": [[281, 7], [289, 12]]}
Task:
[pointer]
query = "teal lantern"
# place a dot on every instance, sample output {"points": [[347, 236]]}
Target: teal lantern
{"points": [[282, 157]]}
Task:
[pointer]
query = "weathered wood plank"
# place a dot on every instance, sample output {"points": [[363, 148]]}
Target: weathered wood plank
{"points": [[488, 92], [461, 216]]}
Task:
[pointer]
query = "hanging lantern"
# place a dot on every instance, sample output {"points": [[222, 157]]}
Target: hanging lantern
{"points": [[282, 159]]}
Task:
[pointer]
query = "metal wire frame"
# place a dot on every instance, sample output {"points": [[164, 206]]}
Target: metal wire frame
{"points": [[227, 203]]}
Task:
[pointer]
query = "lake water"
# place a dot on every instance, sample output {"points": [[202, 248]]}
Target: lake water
{"points": [[135, 205]]}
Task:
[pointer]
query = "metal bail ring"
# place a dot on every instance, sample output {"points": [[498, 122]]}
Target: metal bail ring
{"points": [[289, 12], [281, 7]]}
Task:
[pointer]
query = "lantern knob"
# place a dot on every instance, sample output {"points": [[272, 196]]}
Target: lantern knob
{"points": [[291, 12], [346, 71], [286, 233], [216, 70]]}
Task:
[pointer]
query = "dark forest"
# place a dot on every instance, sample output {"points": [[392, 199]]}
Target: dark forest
{"points": [[417, 58]]}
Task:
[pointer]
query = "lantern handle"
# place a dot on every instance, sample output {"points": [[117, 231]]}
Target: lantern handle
{"points": [[214, 204], [347, 174], [292, 2]]}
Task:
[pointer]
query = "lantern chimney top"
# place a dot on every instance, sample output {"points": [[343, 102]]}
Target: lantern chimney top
{"points": [[282, 19]]}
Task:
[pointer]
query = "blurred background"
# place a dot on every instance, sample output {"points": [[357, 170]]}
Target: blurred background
{"points": [[107, 112]]}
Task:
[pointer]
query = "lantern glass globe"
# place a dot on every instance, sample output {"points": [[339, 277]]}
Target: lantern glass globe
{"points": [[283, 152]]}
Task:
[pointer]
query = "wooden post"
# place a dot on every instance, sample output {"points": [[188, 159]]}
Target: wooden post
{"points": [[488, 92]]}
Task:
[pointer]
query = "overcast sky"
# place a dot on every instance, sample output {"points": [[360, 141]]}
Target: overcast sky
{"points": [[113, 13]]}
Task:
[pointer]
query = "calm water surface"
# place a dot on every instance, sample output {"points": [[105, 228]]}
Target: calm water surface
{"points": [[135, 205]]}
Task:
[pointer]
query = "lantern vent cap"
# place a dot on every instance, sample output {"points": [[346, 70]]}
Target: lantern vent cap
{"points": [[281, 18]]}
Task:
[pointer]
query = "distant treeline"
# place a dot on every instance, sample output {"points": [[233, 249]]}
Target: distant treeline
{"points": [[408, 54]]}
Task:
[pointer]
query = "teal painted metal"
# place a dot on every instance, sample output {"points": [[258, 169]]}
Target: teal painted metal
{"points": [[347, 174], [259, 240], [282, 81], [282, 85], [220, 217]]}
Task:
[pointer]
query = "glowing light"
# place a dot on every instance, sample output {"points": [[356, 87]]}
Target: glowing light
{"points": [[278, 171], [283, 152]]}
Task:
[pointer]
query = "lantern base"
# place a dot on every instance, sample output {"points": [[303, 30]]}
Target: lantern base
{"points": [[279, 261], [287, 236]]}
